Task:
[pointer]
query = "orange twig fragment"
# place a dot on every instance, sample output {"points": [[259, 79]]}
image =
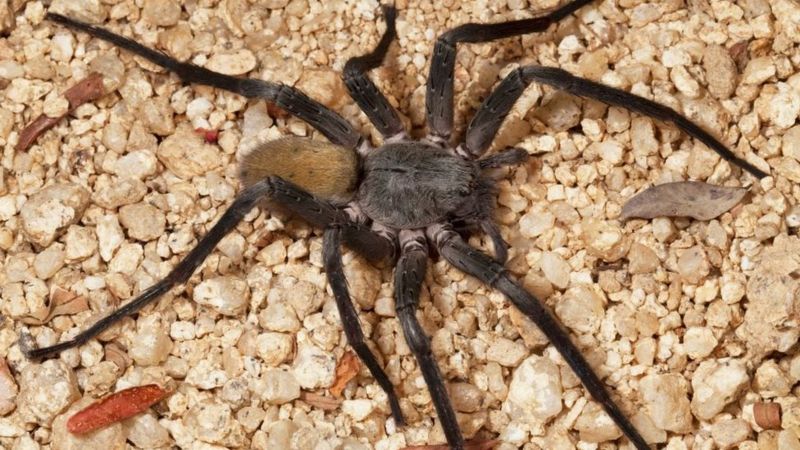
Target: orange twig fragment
{"points": [[346, 370], [117, 406], [87, 90], [469, 445]]}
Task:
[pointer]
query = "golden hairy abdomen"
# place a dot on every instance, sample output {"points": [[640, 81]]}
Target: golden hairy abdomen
{"points": [[326, 170]]}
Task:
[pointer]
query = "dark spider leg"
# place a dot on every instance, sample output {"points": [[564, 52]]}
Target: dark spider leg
{"points": [[507, 157], [289, 195], [364, 91], [495, 108], [327, 122], [471, 261], [352, 327], [408, 277], [500, 245], [439, 96]]}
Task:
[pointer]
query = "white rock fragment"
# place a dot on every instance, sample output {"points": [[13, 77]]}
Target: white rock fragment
{"points": [[142, 221], [226, 295], [274, 348], [314, 368], [594, 425], [758, 70], [534, 395], [91, 11], [277, 386], [728, 433], [109, 236], [358, 409], [555, 269], [699, 342], [45, 390], [716, 383], [152, 343], [237, 62], [144, 431], [581, 309], [666, 399], [505, 352], [186, 154], [50, 211]]}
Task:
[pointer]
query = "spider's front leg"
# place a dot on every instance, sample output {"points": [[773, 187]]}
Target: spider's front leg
{"points": [[329, 123], [481, 266], [439, 95], [374, 104]]}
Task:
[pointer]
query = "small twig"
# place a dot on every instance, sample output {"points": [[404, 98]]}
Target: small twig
{"points": [[87, 90], [116, 407]]}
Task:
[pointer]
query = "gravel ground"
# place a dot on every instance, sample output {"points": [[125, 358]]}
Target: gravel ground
{"points": [[693, 323]]}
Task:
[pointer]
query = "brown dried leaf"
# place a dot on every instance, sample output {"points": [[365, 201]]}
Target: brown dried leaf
{"points": [[322, 402], [118, 355], [469, 445], [61, 302], [346, 370], [694, 199], [86, 90], [767, 415]]}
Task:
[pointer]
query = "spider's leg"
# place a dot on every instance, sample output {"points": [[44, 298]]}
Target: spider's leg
{"points": [[506, 157], [329, 123], [439, 96], [332, 257], [304, 204], [364, 91], [408, 277], [495, 108], [472, 261]]}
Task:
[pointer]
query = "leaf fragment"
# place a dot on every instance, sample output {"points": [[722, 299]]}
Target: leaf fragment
{"points": [[346, 370], [693, 199], [61, 302], [320, 401], [116, 407]]}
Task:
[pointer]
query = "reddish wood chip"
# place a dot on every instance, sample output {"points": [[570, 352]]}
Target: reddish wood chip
{"points": [[320, 401], [210, 136], [87, 90], [346, 370], [469, 445], [117, 406]]}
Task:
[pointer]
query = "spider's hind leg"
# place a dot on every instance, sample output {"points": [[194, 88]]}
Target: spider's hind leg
{"points": [[374, 104]]}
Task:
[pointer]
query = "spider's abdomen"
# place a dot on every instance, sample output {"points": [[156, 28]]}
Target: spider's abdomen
{"points": [[412, 185], [323, 169]]}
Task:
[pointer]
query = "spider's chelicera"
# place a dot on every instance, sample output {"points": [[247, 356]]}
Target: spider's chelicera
{"points": [[399, 199]]}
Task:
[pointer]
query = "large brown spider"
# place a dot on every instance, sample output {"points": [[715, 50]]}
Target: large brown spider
{"points": [[399, 199]]}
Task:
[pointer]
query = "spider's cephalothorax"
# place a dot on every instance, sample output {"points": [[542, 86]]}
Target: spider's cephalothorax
{"points": [[403, 196]]}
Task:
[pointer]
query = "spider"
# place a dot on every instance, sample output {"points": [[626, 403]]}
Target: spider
{"points": [[400, 199]]}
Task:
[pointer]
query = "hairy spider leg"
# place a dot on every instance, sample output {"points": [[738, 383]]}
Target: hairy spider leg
{"points": [[332, 257], [364, 91], [439, 95], [326, 121], [472, 261], [408, 277], [495, 108]]}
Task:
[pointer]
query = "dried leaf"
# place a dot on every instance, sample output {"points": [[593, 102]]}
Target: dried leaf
{"points": [[346, 370], [61, 302], [118, 355], [767, 415], [700, 201], [116, 407], [469, 445], [86, 90], [322, 402]]}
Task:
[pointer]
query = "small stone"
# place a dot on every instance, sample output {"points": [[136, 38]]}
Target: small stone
{"points": [[699, 342], [162, 13], [144, 431], [49, 261], [534, 395], [758, 70], [325, 86], [605, 240], [142, 221], [212, 422], [50, 211], [81, 243], [645, 13], [152, 343], [91, 11], [666, 399], [581, 309], [771, 381], [186, 154], [536, 223], [277, 386], [693, 264], [273, 254], [45, 390], [358, 409], [226, 295], [8, 389], [314, 368], [138, 164], [642, 259], [784, 107], [237, 62], [728, 433], [279, 317], [506, 352], [594, 425], [109, 236], [465, 397], [363, 279], [119, 193], [716, 383], [274, 348], [555, 269]]}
